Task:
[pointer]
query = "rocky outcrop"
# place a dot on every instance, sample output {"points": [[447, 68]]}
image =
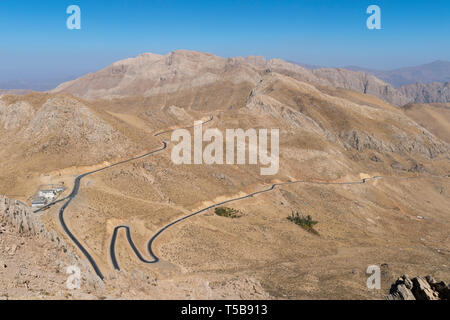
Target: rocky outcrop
{"points": [[362, 82], [426, 93], [15, 115], [436, 92], [34, 260], [419, 288], [58, 126], [25, 222], [21, 217], [34, 265], [401, 143]]}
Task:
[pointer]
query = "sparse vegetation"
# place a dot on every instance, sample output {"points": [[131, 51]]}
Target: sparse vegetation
{"points": [[306, 223], [228, 212]]}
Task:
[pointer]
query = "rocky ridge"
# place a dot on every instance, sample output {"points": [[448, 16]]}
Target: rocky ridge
{"points": [[419, 288], [427, 93], [33, 259], [151, 74]]}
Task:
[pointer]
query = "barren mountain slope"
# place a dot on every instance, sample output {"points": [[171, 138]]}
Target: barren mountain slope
{"points": [[427, 93], [34, 264], [362, 82], [191, 71], [434, 117], [43, 133], [150, 74]]}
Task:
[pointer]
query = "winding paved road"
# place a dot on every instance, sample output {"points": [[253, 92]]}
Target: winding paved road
{"points": [[74, 193], [154, 257]]}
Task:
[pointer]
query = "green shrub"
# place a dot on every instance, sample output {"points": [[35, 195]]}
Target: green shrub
{"points": [[228, 212], [306, 223]]}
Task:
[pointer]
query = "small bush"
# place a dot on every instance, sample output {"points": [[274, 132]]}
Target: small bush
{"points": [[306, 223], [228, 212]]}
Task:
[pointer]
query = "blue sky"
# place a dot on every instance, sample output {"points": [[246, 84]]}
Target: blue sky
{"points": [[35, 43]]}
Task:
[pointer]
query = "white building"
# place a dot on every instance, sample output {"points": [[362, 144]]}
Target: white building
{"points": [[46, 194], [38, 202], [49, 195]]}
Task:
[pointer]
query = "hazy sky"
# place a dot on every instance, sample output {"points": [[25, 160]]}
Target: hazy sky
{"points": [[36, 44]]}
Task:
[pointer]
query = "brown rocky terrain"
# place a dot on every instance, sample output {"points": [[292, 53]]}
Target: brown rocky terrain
{"points": [[434, 117], [33, 259], [151, 74], [419, 288], [34, 262], [427, 93], [329, 134]]}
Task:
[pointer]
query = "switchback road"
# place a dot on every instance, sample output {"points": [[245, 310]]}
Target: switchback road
{"points": [[76, 189], [153, 257]]}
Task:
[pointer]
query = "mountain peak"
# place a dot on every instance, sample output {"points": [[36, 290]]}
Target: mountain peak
{"points": [[151, 74]]}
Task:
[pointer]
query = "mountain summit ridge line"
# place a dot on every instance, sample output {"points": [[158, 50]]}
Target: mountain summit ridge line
{"points": [[150, 74]]}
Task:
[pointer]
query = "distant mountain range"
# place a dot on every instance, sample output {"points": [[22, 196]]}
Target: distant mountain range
{"points": [[35, 84], [14, 91], [151, 73], [426, 83], [437, 71]]}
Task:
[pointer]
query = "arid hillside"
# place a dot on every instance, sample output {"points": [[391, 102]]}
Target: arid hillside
{"points": [[372, 175], [34, 264], [434, 117], [193, 73]]}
